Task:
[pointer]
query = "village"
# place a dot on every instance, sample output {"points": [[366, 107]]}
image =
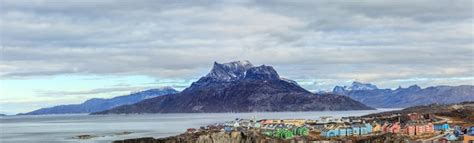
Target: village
{"points": [[411, 127]]}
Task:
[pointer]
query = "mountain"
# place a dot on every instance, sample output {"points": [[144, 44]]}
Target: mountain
{"points": [[355, 86], [99, 104], [241, 87], [405, 97]]}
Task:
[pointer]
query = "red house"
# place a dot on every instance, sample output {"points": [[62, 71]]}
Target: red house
{"points": [[429, 128], [385, 128], [395, 128], [410, 129], [420, 129]]}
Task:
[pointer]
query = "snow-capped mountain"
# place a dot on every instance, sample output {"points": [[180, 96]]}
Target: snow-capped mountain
{"points": [[355, 86], [241, 87]]}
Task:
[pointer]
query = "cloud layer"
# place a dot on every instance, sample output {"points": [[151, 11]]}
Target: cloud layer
{"points": [[321, 41]]}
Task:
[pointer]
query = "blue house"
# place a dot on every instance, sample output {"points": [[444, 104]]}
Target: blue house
{"points": [[471, 132], [356, 130], [441, 127], [228, 129], [330, 133], [349, 131], [343, 131], [457, 131], [369, 128], [363, 130]]}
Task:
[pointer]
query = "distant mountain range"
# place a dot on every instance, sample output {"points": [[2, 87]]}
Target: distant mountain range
{"points": [[413, 95], [241, 87], [99, 104]]}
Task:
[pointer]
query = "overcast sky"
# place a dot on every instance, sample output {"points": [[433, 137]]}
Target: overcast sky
{"points": [[62, 52]]}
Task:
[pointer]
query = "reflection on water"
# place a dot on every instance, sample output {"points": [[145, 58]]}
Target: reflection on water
{"points": [[63, 128]]}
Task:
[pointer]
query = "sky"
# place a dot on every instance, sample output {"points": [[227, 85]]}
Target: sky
{"points": [[64, 52]]}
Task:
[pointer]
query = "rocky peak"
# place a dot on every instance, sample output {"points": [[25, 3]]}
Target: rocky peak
{"points": [[414, 87], [229, 71], [262, 72], [362, 86], [339, 90]]}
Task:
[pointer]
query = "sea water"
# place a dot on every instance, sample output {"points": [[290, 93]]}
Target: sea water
{"points": [[106, 128]]}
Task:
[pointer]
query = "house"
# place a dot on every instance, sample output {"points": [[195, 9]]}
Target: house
{"points": [[385, 128], [457, 131], [468, 137], [191, 130], [301, 131], [356, 130], [345, 120], [471, 131], [349, 131], [326, 119], [441, 126], [368, 127], [328, 133], [420, 129], [450, 137], [395, 128], [317, 126], [236, 124], [256, 125], [429, 128], [343, 131], [376, 127], [295, 122], [414, 116], [410, 129], [363, 129], [228, 129]]}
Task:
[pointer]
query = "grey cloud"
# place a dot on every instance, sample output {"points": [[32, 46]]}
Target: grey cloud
{"points": [[340, 40]]}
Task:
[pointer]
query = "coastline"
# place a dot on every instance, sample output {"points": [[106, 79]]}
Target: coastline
{"points": [[403, 119]]}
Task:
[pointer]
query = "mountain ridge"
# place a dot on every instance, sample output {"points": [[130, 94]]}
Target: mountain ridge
{"points": [[240, 87], [100, 104], [413, 95]]}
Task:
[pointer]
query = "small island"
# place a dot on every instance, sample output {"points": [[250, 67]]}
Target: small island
{"points": [[454, 122]]}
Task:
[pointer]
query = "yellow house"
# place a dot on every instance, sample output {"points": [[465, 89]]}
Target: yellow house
{"points": [[468, 138], [295, 122], [376, 127]]}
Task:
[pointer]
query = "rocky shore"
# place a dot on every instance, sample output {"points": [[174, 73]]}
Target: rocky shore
{"points": [[394, 126], [253, 137], [213, 136]]}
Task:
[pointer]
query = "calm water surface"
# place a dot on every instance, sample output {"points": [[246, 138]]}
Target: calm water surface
{"points": [[63, 128]]}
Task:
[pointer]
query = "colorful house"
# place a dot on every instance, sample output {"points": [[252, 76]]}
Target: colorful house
{"points": [[471, 131], [369, 128], [441, 127], [283, 134], [355, 130], [329, 133], [394, 128], [385, 128], [376, 127], [363, 129], [429, 128], [301, 131], [349, 131], [410, 129], [420, 129], [343, 131]]}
